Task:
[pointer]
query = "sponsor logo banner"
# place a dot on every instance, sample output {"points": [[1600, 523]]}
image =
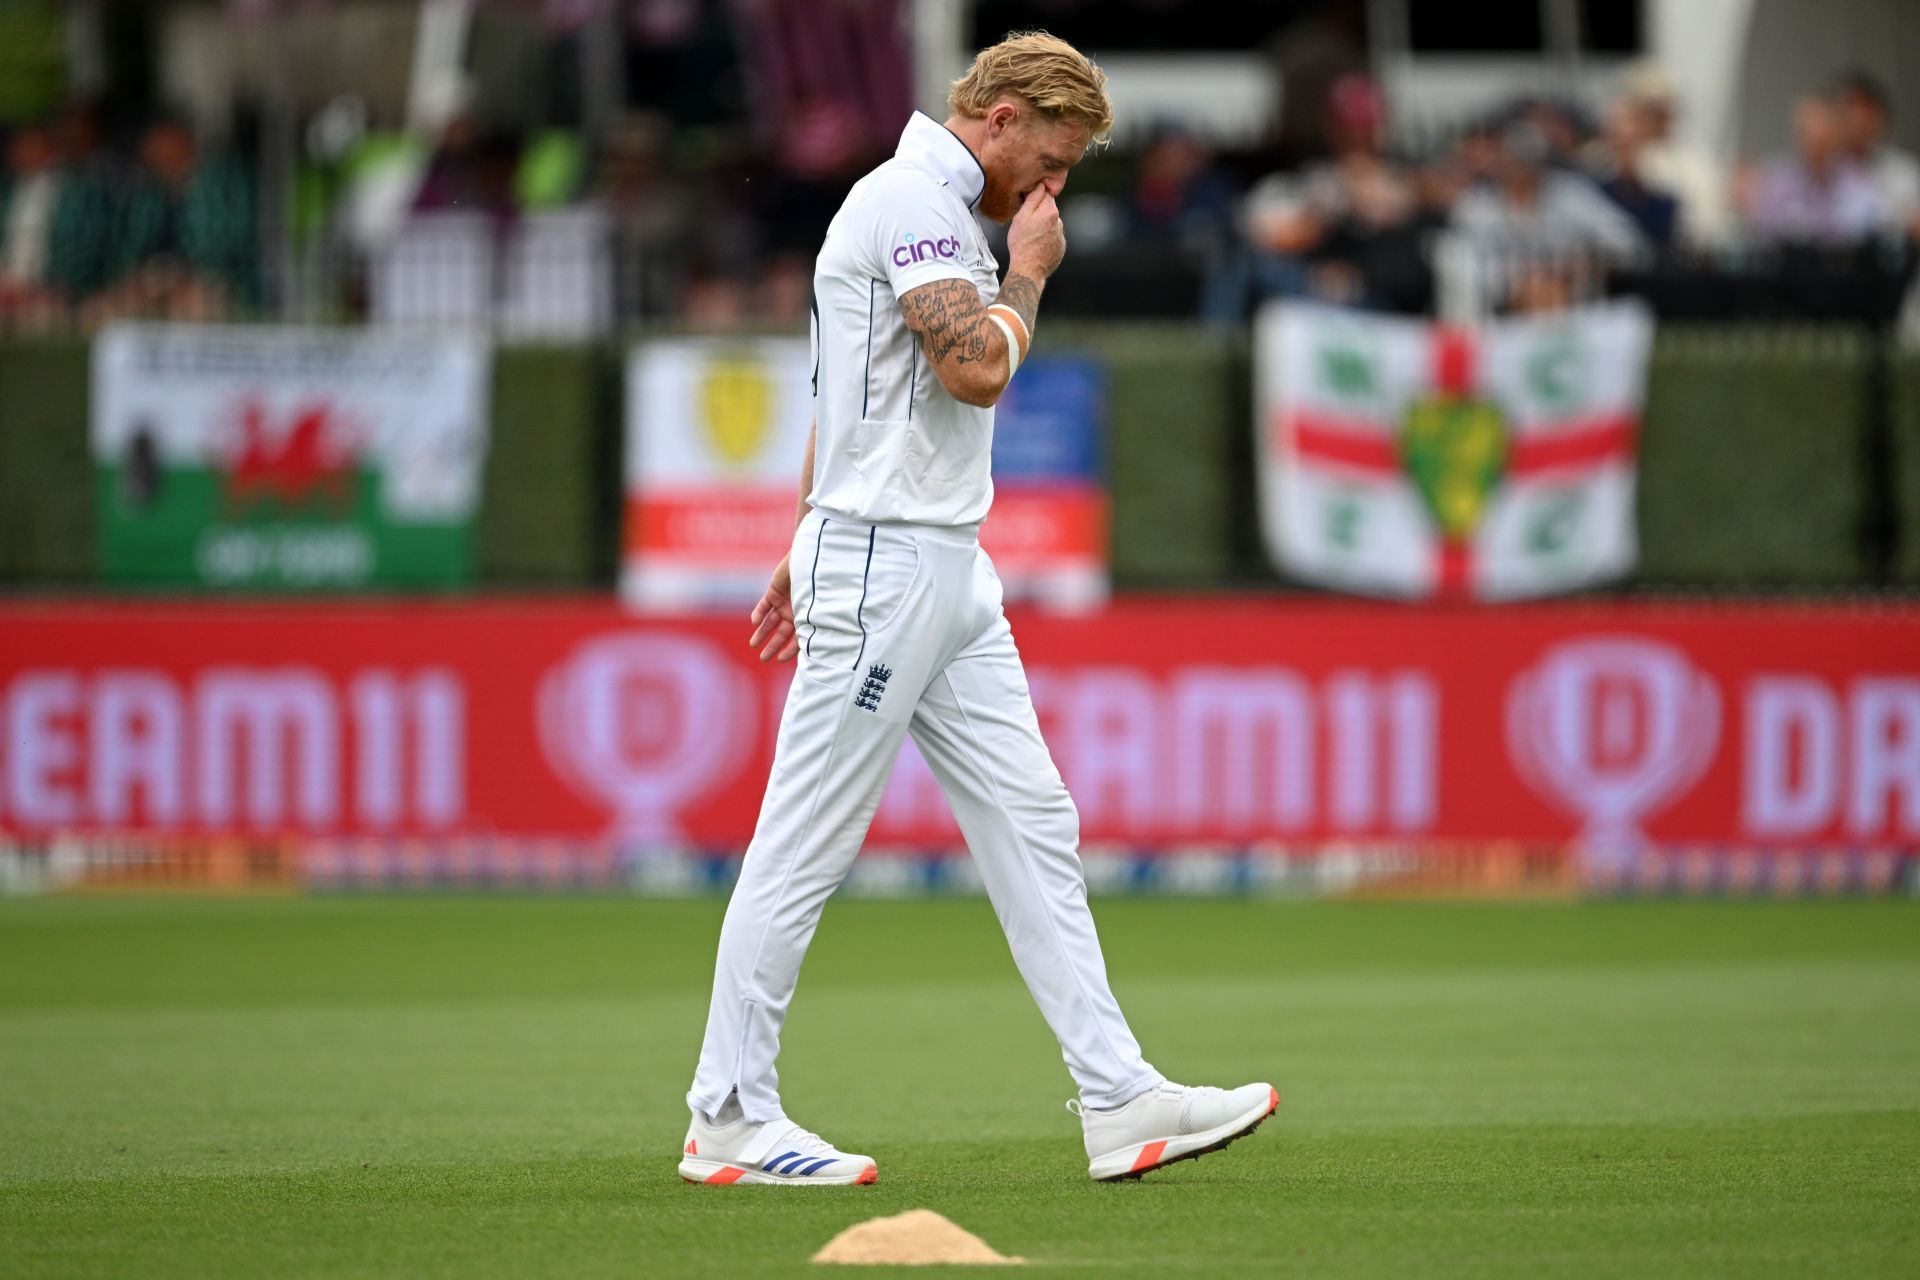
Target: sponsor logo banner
{"points": [[1398, 458], [1173, 722], [716, 430], [274, 458]]}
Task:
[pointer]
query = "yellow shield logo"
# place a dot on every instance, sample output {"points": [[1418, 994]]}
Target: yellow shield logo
{"points": [[1455, 448], [736, 408]]}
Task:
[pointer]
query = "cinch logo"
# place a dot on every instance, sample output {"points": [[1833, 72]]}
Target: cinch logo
{"points": [[920, 250], [875, 685]]}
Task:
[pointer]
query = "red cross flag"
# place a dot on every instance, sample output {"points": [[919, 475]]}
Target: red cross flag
{"points": [[1400, 458]]}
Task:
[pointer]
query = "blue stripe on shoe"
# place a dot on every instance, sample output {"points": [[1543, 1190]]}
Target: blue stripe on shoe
{"points": [[816, 1167], [792, 1165], [781, 1158]]}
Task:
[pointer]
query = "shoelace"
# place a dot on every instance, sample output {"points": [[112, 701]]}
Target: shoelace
{"points": [[807, 1142]]}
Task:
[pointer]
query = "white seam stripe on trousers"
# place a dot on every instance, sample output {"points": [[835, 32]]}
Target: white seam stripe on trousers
{"points": [[901, 631]]}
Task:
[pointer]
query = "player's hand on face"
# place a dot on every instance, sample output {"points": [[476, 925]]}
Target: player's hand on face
{"points": [[1036, 239], [773, 630]]}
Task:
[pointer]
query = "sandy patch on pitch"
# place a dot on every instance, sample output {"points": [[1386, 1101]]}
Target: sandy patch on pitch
{"points": [[918, 1237]]}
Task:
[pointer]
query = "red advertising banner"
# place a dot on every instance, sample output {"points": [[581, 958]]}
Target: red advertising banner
{"points": [[1174, 723]]}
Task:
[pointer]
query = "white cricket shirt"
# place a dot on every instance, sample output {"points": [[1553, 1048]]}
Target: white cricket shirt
{"points": [[892, 445]]}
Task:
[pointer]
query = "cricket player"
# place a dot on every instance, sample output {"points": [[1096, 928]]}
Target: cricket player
{"points": [[895, 615]]}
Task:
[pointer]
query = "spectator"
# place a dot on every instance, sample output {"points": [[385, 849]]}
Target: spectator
{"points": [[1866, 119], [1563, 126], [1817, 194], [653, 215], [55, 225], [823, 146], [1472, 161], [1621, 173], [1348, 230], [472, 170], [77, 133], [185, 247], [727, 255], [1179, 197], [1536, 236], [1668, 164], [1309, 57], [29, 204]]}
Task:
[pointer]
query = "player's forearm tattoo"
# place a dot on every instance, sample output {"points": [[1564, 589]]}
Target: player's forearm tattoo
{"points": [[949, 319], [1022, 293]]}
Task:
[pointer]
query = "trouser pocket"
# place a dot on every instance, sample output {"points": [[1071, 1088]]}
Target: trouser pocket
{"points": [[850, 587]]}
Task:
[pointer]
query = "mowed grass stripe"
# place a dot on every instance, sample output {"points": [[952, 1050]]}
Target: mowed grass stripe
{"points": [[492, 1087], [1731, 1199], [280, 951]]}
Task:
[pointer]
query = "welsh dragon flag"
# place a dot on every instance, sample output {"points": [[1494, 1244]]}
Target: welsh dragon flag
{"points": [[1400, 458], [265, 458]]}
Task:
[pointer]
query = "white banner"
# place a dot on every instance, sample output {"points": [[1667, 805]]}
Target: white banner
{"points": [[1399, 458], [716, 431]]}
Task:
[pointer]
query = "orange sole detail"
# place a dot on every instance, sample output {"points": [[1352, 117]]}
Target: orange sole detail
{"points": [[730, 1175], [1150, 1154]]}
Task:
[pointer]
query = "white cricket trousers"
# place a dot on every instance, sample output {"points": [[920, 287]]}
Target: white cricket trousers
{"points": [[901, 632]]}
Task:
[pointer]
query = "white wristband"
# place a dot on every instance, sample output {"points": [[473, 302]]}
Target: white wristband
{"points": [[1013, 347]]}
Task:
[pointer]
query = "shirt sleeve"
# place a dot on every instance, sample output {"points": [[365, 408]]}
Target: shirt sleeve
{"points": [[916, 234]]}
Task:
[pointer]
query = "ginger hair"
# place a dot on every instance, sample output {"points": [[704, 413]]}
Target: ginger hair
{"points": [[1044, 71]]}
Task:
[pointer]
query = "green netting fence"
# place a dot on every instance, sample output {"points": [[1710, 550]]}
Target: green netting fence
{"points": [[1771, 460]]}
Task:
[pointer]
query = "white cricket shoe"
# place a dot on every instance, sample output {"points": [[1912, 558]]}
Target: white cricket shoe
{"points": [[1172, 1122], [777, 1152]]}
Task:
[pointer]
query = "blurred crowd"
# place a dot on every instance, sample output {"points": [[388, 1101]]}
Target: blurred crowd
{"points": [[1538, 203], [713, 228], [1531, 206], [148, 224]]}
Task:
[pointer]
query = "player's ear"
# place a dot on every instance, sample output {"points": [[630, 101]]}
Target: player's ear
{"points": [[1000, 117]]}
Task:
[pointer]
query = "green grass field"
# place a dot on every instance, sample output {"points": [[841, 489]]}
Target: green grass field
{"points": [[492, 1087]]}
